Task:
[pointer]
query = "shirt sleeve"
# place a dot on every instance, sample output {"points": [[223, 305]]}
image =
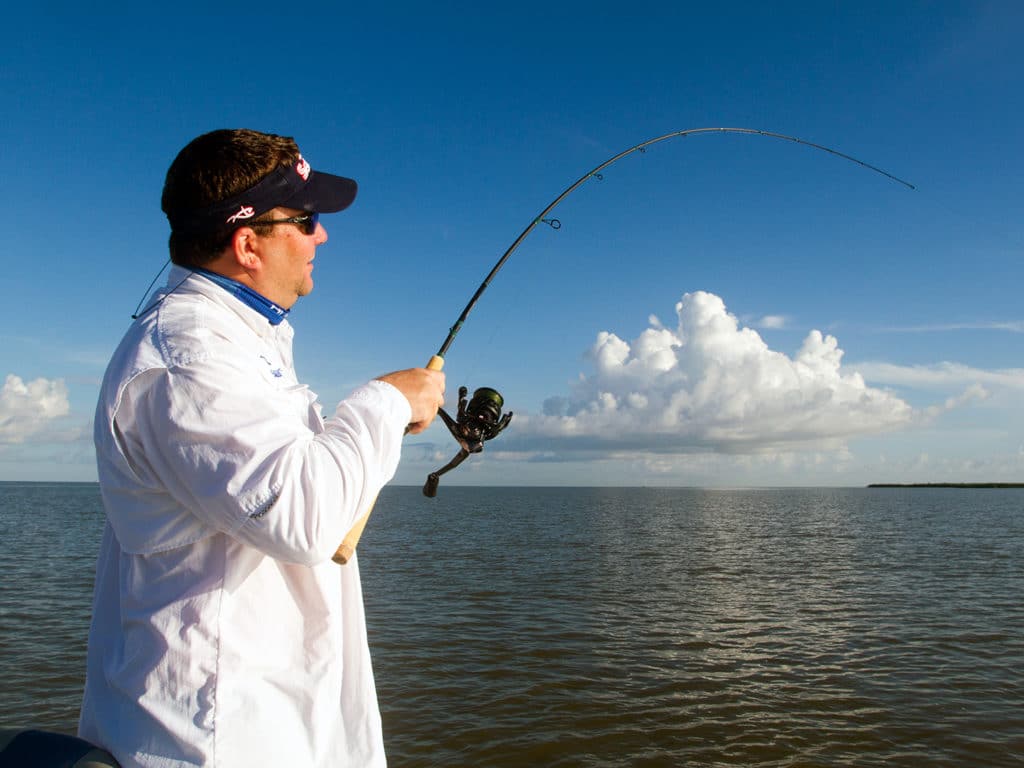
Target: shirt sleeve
{"points": [[253, 459]]}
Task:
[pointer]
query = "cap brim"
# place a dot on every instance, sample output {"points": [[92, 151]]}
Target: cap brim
{"points": [[323, 193]]}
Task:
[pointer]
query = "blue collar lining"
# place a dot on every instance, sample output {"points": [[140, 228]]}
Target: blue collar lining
{"points": [[247, 296]]}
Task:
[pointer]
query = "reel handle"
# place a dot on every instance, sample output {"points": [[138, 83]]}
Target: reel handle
{"points": [[348, 547]]}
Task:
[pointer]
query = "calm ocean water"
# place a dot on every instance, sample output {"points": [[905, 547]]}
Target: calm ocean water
{"points": [[628, 627]]}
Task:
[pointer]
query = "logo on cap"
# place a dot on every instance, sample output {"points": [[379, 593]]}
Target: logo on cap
{"points": [[245, 212], [302, 168]]}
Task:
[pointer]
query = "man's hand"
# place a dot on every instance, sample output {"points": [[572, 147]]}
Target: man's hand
{"points": [[424, 389]]}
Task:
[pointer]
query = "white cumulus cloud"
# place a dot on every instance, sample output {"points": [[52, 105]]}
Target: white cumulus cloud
{"points": [[711, 385], [26, 409]]}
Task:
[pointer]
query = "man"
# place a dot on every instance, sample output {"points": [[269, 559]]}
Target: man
{"points": [[222, 633]]}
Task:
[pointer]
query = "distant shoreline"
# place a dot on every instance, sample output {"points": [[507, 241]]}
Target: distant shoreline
{"points": [[946, 485]]}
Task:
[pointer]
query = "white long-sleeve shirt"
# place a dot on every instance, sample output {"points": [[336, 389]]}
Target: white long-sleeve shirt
{"points": [[222, 633]]}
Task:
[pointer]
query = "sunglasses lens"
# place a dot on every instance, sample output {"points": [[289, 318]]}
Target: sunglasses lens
{"points": [[311, 222]]}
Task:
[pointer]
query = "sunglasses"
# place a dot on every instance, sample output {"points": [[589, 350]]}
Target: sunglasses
{"points": [[307, 222]]}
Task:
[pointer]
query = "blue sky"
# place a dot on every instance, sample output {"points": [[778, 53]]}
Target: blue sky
{"points": [[721, 310]]}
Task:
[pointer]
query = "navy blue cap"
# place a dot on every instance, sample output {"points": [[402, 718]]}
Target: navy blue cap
{"points": [[288, 186]]}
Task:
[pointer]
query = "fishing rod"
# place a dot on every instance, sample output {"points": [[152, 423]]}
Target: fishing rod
{"points": [[480, 418]]}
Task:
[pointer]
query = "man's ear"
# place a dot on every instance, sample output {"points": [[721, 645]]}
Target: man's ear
{"points": [[245, 248]]}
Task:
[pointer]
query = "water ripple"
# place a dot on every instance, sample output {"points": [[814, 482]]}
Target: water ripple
{"points": [[597, 628]]}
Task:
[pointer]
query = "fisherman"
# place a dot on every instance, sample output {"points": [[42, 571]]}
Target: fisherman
{"points": [[222, 634]]}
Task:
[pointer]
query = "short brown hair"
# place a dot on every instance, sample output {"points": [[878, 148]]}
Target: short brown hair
{"points": [[211, 168]]}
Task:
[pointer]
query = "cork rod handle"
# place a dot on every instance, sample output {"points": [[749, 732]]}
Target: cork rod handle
{"points": [[348, 546]]}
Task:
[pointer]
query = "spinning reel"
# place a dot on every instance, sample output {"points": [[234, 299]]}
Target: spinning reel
{"points": [[478, 420]]}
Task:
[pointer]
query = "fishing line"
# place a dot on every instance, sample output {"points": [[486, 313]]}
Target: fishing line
{"points": [[544, 216]]}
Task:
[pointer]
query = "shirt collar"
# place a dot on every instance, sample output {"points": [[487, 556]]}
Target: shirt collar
{"points": [[184, 281], [271, 311]]}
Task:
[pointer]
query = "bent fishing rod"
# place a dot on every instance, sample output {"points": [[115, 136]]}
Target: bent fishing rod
{"points": [[480, 418]]}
